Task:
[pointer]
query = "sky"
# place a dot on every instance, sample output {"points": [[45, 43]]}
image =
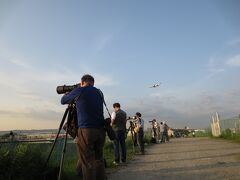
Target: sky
{"points": [[191, 47]]}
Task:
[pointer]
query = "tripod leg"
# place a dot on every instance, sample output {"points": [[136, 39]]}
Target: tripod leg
{"points": [[70, 116], [133, 141], [63, 153], [127, 131], [60, 127]]}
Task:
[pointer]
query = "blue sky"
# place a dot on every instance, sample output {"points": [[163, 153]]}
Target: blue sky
{"points": [[192, 47]]}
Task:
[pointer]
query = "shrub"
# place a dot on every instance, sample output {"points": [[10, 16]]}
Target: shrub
{"points": [[26, 161], [228, 134], [21, 161]]}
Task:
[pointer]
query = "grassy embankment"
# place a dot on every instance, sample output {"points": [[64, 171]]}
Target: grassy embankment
{"points": [[206, 133], [226, 134], [229, 135], [26, 161]]}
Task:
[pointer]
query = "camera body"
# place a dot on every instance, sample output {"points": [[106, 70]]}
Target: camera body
{"points": [[153, 121], [66, 88], [107, 122], [132, 118]]}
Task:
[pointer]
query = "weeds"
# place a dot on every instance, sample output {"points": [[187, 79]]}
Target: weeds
{"points": [[26, 161], [229, 135]]}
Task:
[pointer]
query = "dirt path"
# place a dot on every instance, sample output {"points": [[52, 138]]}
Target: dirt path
{"points": [[184, 158]]}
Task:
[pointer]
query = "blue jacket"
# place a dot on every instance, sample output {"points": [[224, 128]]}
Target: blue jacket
{"points": [[89, 106]]}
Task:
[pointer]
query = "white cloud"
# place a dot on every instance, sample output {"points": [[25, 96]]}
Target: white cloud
{"points": [[234, 61], [188, 108], [214, 67], [29, 91], [103, 41], [214, 71], [101, 79], [11, 57], [104, 80]]}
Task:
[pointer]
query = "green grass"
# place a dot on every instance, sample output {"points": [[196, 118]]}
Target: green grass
{"points": [[229, 135], [206, 133], [26, 161], [22, 161], [70, 163]]}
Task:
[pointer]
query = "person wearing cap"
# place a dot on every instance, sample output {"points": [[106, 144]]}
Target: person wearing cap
{"points": [[140, 131]]}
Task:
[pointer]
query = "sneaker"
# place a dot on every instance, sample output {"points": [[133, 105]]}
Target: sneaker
{"points": [[115, 163]]}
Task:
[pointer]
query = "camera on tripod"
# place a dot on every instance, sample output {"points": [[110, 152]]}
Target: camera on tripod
{"points": [[72, 125], [66, 88], [131, 118], [133, 130], [153, 121]]}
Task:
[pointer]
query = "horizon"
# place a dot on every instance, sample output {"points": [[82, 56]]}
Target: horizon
{"points": [[192, 48]]}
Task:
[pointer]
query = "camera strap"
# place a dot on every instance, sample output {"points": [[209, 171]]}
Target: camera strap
{"points": [[76, 98], [101, 94]]}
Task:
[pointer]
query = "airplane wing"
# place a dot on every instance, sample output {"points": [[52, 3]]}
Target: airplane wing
{"points": [[155, 85]]}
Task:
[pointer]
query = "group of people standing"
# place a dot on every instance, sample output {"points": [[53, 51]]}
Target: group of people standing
{"points": [[159, 131], [91, 133]]}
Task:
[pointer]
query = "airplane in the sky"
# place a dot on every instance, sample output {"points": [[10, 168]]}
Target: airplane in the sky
{"points": [[155, 85]]}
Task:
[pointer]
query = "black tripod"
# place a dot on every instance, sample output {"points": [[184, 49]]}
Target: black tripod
{"points": [[69, 113], [131, 129]]}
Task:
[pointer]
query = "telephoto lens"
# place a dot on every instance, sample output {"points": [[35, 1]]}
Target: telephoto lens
{"points": [[66, 88]]}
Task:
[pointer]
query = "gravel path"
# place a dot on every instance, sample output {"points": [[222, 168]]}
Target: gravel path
{"points": [[183, 159]]}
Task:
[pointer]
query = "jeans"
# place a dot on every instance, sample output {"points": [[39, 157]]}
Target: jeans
{"points": [[120, 140], [140, 138], [162, 136]]}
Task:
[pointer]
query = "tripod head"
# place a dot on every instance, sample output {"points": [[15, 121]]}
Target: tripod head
{"points": [[71, 126], [132, 129], [131, 118], [131, 123]]}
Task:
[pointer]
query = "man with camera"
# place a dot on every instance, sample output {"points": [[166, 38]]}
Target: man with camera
{"points": [[154, 131], [140, 131], [162, 137], [119, 120], [91, 133]]}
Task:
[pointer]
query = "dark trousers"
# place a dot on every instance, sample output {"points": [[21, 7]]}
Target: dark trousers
{"points": [[166, 135], [120, 140], [162, 137], [140, 136], [135, 142], [90, 146]]}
